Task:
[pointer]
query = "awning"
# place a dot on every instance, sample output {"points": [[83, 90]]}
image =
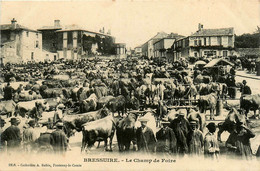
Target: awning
{"points": [[216, 62]]}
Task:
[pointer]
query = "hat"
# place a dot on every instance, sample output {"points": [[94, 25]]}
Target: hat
{"points": [[193, 122], [181, 113], [165, 121], [31, 122], [59, 124], [211, 125], [61, 106], [14, 120], [244, 81], [143, 119]]}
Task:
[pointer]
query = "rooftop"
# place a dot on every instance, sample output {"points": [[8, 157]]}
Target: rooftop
{"points": [[214, 32], [219, 61], [17, 27]]}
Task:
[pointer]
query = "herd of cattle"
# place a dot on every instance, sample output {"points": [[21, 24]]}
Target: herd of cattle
{"points": [[101, 97]]}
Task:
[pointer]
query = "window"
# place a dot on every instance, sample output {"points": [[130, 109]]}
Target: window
{"points": [[219, 40], [195, 42], [199, 42], [195, 54], [37, 35], [225, 53], [37, 44], [27, 33], [205, 41]]}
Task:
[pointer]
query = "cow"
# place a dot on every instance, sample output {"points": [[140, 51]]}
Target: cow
{"points": [[100, 129], [208, 102], [232, 118], [75, 122], [103, 101], [117, 104], [250, 102], [7, 108], [125, 131], [89, 104], [196, 116]]}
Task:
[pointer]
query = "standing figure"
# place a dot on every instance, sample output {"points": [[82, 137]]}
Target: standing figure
{"points": [[211, 146], [245, 89], [12, 135], [8, 92], [146, 141], [239, 141], [195, 139], [59, 139], [2, 143], [29, 136], [166, 139], [181, 128]]}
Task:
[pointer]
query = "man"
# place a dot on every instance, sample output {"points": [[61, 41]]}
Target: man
{"points": [[181, 129], [245, 89], [29, 136], [59, 139], [195, 139], [2, 124], [8, 92], [166, 140], [145, 137], [12, 135], [239, 141], [211, 146]]}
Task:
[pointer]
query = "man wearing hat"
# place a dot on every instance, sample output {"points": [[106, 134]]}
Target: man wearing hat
{"points": [[245, 89], [211, 146], [239, 141], [29, 136], [166, 140], [12, 135], [181, 128], [2, 124], [145, 137], [195, 139], [59, 139]]}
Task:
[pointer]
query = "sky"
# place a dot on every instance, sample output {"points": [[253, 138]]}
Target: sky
{"points": [[136, 21]]}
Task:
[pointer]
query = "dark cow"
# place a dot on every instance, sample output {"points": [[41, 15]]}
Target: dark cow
{"points": [[100, 129], [125, 132], [232, 118], [208, 102], [7, 108], [250, 102], [103, 101], [117, 104], [75, 122]]}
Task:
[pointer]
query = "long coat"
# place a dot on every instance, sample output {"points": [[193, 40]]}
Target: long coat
{"points": [[166, 141], [12, 135], [59, 141], [241, 141], [146, 140], [195, 142]]}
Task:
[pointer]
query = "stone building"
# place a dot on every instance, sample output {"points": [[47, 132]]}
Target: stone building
{"points": [[20, 44], [206, 43]]}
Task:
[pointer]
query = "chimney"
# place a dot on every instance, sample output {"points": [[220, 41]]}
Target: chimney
{"points": [[56, 23], [13, 22], [103, 31], [200, 27]]}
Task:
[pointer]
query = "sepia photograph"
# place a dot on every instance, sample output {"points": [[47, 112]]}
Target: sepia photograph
{"points": [[130, 85]]}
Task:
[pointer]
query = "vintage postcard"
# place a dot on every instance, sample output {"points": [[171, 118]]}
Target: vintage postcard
{"points": [[130, 85]]}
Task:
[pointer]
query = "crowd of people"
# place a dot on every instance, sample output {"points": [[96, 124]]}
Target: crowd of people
{"points": [[146, 84]]}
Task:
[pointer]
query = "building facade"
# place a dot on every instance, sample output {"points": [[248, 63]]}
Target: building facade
{"points": [[20, 44], [75, 43], [138, 51], [148, 48], [50, 40], [206, 43]]}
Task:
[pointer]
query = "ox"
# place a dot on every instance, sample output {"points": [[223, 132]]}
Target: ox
{"points": [[100, 129], [208, 102], [250, 102], [7, 107]]}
